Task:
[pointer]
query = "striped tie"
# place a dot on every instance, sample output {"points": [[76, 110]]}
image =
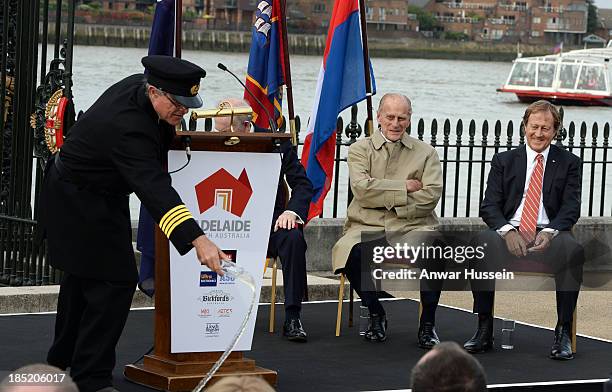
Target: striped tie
{"points": [[529, 216]]}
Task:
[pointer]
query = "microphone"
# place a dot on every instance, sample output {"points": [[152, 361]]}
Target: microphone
{"points": [[273, 126], [187, 143]]}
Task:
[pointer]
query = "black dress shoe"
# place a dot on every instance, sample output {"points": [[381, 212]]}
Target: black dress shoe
{"points": [[427, 336], [483, 338], [377, 328], [294, 331], [562, 345]]}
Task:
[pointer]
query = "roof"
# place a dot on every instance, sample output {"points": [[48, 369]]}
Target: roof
{"points": [[418, 3]]}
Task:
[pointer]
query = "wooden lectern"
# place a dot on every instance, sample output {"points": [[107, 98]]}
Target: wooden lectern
{"points": [[162, 369]]}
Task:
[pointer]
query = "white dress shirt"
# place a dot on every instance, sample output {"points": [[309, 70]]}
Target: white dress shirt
{"points": [[543, 220]]}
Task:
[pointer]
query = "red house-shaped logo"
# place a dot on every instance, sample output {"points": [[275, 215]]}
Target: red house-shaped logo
{"points": [[224, 190]]}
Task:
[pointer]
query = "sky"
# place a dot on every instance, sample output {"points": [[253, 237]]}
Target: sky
{"points": [[603, 3]]}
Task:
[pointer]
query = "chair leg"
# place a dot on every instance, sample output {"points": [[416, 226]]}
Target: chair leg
{"points": [[574, 329], [351, 305], [273, 296], [340, 300]]}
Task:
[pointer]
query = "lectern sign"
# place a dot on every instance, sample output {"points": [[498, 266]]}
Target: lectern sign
{"points": [[231, 195]]}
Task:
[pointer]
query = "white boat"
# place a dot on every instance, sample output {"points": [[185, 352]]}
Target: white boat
{"points": [[578, 77]]}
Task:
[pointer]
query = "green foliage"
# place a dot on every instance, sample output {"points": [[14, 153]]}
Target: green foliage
{"points": [[474, 16], [455, 36], [592, 17], [427, 22], [189, 15]]}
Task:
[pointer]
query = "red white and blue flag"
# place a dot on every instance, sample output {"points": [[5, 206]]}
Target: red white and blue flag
{"points": [[341, 84], [265, 72]]}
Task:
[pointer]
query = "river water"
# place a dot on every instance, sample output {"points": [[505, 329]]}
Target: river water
{"points": [[439, 89]]}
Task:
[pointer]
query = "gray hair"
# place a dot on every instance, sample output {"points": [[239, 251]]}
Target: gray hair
{"points": [[238, 120], [395, 95]]}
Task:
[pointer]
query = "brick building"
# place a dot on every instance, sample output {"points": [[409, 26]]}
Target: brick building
{"points": [[384, 17], [533, 21]]}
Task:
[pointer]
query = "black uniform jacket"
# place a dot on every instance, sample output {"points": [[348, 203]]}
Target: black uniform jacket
{"points": [[561, 188], [301, 187], [117, 147]]}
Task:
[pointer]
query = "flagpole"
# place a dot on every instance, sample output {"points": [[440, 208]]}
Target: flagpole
{"points": [[178, 27], [366, 67], [287, 67]]}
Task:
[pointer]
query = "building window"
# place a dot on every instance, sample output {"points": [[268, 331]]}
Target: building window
{"points": [[319, 8], [535, 33], [552, 20], [536, 20]]}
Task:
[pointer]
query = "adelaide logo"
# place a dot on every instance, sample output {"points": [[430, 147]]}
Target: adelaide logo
{"points": [[225, 191]]}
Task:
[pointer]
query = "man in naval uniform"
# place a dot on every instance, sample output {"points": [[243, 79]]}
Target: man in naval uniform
{"points": [[116, 147]]}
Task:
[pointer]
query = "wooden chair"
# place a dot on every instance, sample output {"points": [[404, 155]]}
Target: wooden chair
{"points": [[275, 261], [351, 306], [273, 288]]}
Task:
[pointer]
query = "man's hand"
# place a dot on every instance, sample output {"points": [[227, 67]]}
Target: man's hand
{"points": [[286, 220], [413, 185], [209, 254], [515, 243], [542, 242]]}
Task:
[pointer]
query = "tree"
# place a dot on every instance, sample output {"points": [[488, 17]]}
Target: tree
{"points": [[427, 22], [592, 17]]}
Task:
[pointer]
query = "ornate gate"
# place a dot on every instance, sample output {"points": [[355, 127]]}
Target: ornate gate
{"points": [[24, 114]]}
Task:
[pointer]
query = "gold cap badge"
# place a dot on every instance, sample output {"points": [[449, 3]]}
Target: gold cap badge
{"points": [[194, 90]]}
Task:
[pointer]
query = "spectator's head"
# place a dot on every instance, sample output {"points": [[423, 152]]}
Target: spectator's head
{"points": [[448, 368], [241, 384], [237, 122], [393, 115], [38, 378], [542, 121]]}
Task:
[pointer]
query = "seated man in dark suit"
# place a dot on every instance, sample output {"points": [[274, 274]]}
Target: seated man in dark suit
{"points": [[286, 236], [531, 202]]}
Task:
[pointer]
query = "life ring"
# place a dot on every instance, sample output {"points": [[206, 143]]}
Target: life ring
{"points": [[54, 121]]}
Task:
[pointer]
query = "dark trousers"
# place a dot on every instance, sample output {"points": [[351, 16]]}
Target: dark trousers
{"points": [[290, 247], [564, 257], [91, 315], [357, 271]]}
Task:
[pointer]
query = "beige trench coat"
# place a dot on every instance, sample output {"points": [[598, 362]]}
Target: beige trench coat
{"points": [[377, 174]]}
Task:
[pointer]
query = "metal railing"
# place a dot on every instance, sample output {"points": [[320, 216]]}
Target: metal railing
{"points": [[466, 149], [22, 119]]}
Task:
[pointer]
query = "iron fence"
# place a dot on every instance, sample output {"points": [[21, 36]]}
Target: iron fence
{"points": [[23, 95], [465, 153]]}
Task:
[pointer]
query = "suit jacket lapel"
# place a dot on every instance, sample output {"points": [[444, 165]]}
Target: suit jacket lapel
{"points": [[550, 170], [520, 169]]}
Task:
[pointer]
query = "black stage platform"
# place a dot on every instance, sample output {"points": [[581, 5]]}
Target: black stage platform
{"points": [[347, 363]]}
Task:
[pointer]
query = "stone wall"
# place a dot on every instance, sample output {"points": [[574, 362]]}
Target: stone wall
{"points": [[240, 41]]}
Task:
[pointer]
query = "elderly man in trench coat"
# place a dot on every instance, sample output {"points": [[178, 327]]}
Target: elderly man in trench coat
{"points": [[397, 182]]}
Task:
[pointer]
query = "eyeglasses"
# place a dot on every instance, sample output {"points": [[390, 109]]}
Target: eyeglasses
{"points": [[173, 101]]}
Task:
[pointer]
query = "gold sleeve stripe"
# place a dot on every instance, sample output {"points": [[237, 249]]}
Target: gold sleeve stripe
{"points": [[174, 219], [170, 214], [183, 219]]}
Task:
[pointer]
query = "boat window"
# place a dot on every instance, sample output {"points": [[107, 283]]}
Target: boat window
{"points": [[546, 74], [567, 76], [523, 74], [592, 78]]}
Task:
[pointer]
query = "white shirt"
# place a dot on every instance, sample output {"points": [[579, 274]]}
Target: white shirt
{"points": [[543, 220]]}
